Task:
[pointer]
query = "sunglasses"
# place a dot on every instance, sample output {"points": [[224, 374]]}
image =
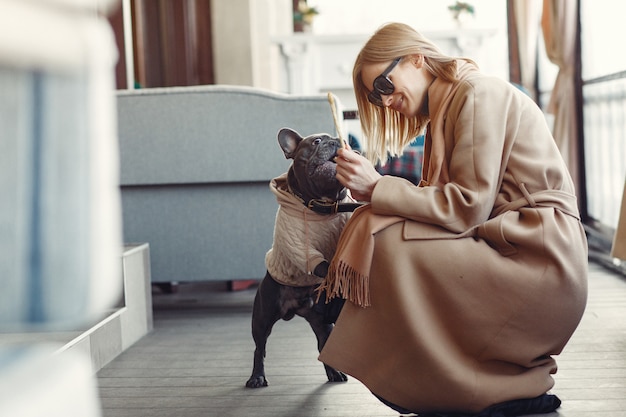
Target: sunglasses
{"points": [[382, 85]]}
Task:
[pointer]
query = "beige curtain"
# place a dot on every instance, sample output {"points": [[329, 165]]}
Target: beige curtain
{"points": [[559, 23], [527, 19]]}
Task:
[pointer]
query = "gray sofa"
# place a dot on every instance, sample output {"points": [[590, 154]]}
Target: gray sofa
{"points": [[195, 167]]}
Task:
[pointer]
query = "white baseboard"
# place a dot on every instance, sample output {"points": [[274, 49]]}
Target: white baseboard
{"points": [[118, 330]]}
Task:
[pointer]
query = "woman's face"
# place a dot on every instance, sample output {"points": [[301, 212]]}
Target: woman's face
{"points": [[410, 81]]}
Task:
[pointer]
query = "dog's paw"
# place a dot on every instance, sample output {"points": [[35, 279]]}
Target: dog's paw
{"points": [[335, 375], [321, 270], [256, 381]]}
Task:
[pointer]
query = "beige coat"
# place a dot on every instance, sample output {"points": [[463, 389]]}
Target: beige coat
{"points": [[486, 280]]}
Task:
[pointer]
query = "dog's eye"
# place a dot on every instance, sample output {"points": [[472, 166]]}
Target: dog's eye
{"points": [[317, 141]]}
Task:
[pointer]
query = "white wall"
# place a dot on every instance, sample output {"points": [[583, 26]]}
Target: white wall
{"points": [[243, 53], [365, 16], [243, 30]]}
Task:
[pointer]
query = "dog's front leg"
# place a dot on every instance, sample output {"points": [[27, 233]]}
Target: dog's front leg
{"points": [[321, 270], [322, 331], [329, 309]]}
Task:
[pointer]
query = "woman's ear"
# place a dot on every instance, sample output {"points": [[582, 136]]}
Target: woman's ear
{"points": [[417, 60]]}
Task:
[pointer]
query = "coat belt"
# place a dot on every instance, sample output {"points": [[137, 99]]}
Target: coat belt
{"points": [[557, 199]]}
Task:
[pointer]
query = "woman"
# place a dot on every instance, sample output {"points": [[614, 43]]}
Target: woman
{"points": [[463, 288]]}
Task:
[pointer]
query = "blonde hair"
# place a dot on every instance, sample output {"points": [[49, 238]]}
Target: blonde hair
{"points": [[387, 131]]}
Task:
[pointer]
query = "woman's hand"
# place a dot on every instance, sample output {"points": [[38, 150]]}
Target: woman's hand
{"points": [[357, 174]]}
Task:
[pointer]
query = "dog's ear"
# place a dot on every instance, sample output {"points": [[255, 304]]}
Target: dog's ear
{"points": [[288, 140]]}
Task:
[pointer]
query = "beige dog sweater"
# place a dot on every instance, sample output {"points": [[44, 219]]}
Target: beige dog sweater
{"points": [[302, 238]]}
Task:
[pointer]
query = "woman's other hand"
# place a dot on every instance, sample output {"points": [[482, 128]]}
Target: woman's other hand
{"points": [[357, 174]]}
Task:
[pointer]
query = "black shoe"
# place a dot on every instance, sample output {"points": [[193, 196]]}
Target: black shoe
{"points": [[545, 403]]}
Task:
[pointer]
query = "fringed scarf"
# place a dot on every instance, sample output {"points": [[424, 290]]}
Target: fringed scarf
{"points": [[440, 94], [349, 272]]}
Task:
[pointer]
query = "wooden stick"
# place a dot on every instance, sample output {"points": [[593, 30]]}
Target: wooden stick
{"points": [[333, 109]]}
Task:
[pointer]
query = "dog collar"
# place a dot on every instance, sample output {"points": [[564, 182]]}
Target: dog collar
{"points": [[320, 206], [331, 207]]}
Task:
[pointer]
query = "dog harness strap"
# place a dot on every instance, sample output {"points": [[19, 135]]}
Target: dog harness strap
{"points": [[322, 206], [326, 207]]}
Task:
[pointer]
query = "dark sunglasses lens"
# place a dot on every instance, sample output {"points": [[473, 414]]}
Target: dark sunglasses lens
{"points": [[375, 99], [383, 85]]}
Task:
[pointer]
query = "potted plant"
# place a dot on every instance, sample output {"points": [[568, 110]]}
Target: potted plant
{"points": [[461, 12], [303, 16]]}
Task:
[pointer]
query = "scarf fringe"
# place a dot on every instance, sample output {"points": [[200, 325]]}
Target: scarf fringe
{"points": [[344, 281]]}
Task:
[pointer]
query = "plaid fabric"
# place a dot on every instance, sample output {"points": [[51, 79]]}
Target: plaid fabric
{"points": [[408, 165]]}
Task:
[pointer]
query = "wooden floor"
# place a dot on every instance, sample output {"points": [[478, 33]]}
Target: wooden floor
{"points": [[199, 356]]}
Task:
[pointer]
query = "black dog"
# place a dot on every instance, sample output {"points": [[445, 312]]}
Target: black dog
{"points": [[312, 212]]}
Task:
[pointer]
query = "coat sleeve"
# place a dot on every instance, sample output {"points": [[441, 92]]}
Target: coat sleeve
{"points": [[475, 133]]}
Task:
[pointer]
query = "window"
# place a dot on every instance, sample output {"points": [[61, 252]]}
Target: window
{"points": [[604, 107]]}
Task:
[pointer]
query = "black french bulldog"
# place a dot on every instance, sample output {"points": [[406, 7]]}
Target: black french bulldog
{"points": [[289, 286]]}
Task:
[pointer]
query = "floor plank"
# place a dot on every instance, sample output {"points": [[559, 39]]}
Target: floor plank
{"points": [[199, 356]]}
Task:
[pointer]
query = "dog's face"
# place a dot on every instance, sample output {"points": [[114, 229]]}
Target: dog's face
{"points": [[312, 173]]}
